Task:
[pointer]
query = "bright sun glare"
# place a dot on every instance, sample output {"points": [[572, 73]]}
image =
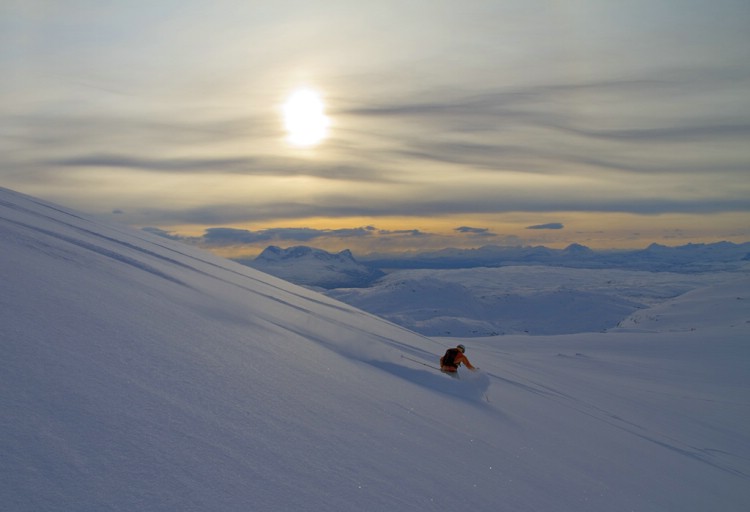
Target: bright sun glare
{"points": [[304, 118]]}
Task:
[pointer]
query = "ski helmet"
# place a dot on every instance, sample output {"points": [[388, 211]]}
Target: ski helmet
{"points": [[461, 348]]}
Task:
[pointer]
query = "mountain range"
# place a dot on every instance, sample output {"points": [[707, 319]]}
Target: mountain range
{"points": [[694, 257], [580, 290], [316, 267]]}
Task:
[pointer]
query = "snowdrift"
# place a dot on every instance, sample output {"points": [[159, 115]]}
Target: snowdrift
{"points": [[141, 374]]}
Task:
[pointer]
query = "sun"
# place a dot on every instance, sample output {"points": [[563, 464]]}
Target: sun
{"points": [[304, 118]]}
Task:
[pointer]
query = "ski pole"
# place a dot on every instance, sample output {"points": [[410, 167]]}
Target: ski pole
{"points": [[420, 362]]}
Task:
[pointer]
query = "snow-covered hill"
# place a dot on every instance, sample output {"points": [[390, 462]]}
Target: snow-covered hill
{"points": [[583, 290], [141, 374], [477, 302], [312, 267]]}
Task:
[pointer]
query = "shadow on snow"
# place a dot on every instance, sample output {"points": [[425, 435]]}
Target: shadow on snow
{"points": [[469, 385]]}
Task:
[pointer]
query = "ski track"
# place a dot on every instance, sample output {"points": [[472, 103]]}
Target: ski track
{"points": [[703, 455]]}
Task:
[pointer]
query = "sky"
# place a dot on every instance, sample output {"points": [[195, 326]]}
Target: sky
{"points": [[447, 123]]}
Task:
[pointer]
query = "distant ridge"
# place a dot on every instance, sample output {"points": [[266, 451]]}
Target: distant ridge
{"points": [[655, 258]]}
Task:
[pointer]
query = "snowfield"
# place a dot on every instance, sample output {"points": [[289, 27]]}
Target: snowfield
{"points": [[141, 374]]}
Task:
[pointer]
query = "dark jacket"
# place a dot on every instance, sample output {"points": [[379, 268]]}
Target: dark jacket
{"points": [[458, 359]]}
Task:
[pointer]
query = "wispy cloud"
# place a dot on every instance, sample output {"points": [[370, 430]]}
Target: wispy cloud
{"points": [[491, 202], [550, 225], [670, 134], [246, 165], [232, 236], [403, 232], [178, 123], [477, 232]]}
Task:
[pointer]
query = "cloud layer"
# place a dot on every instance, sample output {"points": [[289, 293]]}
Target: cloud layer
{"points": [[514, 123]]}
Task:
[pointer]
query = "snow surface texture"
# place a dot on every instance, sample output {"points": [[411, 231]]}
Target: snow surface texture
{"points": [[141, 374]]}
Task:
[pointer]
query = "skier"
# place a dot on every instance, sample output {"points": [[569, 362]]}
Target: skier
{"points": [[452, 359]]}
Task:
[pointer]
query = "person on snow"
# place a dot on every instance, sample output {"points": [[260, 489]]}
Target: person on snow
{"points": [[452, 359]]}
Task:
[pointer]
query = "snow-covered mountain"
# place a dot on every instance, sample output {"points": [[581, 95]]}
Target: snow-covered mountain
{"points": [[141, 374], [581, 290], [654, 258], [519, 299], [308, 266]]}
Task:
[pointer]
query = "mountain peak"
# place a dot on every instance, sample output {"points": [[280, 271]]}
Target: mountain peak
{"points": [[578, 249], [310, 266], [274, 253]]}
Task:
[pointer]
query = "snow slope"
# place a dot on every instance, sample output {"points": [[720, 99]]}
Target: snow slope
{"points": [[141, 374]]}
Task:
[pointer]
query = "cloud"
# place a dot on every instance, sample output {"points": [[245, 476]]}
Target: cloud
{"points": [[408, 232], [218, 237], [513, 146], [531, 104], [224, 237], [241, 165], [548, 129], [551, 225], [484, 232], [230, 236], [166, 234], [181, 165], [661, 135], [492, 200]]}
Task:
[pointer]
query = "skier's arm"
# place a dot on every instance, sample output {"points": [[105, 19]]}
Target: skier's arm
{"points": [[462, 358]]}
